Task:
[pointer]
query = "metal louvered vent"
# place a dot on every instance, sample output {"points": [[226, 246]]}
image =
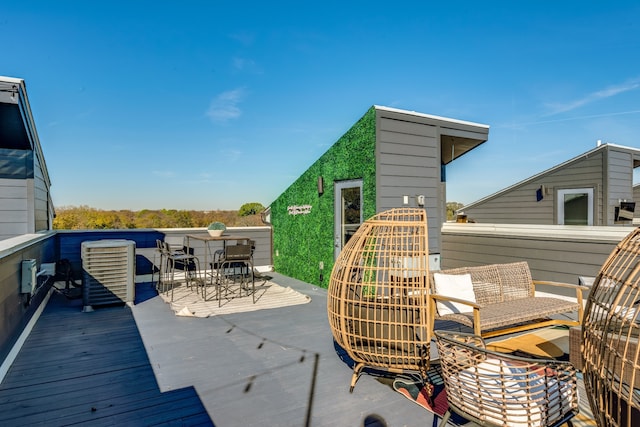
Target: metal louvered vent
{"points": [[108, 272]]}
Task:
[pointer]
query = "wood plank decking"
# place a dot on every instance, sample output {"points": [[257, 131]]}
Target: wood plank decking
{"points": [[90, 368], [144, 366]]}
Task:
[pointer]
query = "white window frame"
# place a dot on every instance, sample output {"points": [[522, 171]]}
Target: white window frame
{"points": [[564, 192]]}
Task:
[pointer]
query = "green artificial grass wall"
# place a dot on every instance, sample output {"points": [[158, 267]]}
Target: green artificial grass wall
{"points": [[302, 241]]}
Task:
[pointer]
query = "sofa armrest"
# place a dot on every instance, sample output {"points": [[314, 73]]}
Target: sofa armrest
{"points": [[471, 304], [578, 288], [560, 284], [474, 306]]}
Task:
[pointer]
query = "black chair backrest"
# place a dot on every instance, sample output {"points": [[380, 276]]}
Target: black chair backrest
{"points": [[237, 252]]}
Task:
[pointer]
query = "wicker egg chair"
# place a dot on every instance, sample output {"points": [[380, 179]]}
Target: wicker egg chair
{"points": [[610, 333], [378, 294]]}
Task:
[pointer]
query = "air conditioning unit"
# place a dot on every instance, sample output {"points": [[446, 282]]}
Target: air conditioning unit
{"points": [[108, 272]]}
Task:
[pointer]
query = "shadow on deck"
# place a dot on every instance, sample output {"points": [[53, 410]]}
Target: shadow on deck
{"points": [[143, 365]]}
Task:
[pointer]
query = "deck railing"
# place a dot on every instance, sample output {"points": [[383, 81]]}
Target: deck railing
{"points": [[18, 309], [556, 253]]}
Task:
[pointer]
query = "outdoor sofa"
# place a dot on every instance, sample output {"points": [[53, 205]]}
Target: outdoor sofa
{"points": [[499, 299]]}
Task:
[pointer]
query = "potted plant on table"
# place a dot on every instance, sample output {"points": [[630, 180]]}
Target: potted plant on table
{"points": [[216, 229]]}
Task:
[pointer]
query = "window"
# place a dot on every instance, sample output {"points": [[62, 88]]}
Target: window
{"points": [[575, 206]]}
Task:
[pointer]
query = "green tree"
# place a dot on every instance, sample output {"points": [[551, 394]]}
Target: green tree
{"points": [[87, 218], [452, 207], [253, 208]]}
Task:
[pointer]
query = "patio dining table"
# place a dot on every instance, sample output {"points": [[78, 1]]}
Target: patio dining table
{"points": [[209, 253]]}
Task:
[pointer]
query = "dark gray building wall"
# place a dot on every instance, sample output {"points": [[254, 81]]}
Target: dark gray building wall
{"points": [[16, 309]]}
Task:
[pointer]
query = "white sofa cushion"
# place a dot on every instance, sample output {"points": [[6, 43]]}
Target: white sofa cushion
{"points": [[457, 286], [494, 386]]}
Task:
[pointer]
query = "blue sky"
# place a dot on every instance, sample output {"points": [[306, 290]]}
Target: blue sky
{"points": [[212, 104]]}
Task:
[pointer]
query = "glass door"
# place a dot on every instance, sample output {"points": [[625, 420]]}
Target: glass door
{"points": [[575, 206], [348, 212]]}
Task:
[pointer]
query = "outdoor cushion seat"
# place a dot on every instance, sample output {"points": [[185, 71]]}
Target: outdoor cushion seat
{"points": [[504, 299], [496, 389], [508, 313]]}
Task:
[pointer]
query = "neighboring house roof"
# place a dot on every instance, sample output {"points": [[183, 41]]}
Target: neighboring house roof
{"points": [[636, 163]]}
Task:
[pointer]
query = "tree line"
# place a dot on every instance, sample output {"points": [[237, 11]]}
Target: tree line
{"points": [[452, 207], [88, 218]]}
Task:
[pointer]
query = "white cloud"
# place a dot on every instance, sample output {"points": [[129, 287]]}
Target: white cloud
{"points": [[164, 174], [594, 96], [243, 37], [224, 107], [231, 155], [566, 119], [242, 64]]}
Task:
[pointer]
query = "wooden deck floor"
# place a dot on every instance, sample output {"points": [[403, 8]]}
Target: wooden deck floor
{"points": [[145, 366], [90, 368]]}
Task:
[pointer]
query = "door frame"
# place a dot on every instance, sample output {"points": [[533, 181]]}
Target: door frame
{"points": [[560, 202], [338, 234]]}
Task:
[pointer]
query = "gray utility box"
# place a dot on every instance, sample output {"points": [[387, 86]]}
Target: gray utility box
{"points": [[29, 280]]}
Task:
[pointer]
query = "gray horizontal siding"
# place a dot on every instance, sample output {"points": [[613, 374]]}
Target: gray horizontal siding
{"points": [[636, 198], [41, 206], [518, 205], [395, 126], [430, 194], [12, 189], [407, 140], [11, 204], [13, 208], [556, 253], [408, 163], [620, 180], [41, 198]]}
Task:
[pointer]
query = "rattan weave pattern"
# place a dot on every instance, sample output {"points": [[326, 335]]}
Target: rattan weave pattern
{"points": [[496, 389], [514, 312], [610, 334], [485, 274], [505, 295], [378, 294]]}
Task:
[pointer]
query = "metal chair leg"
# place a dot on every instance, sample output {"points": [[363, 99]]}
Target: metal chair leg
{"points": [[445, 418]]}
